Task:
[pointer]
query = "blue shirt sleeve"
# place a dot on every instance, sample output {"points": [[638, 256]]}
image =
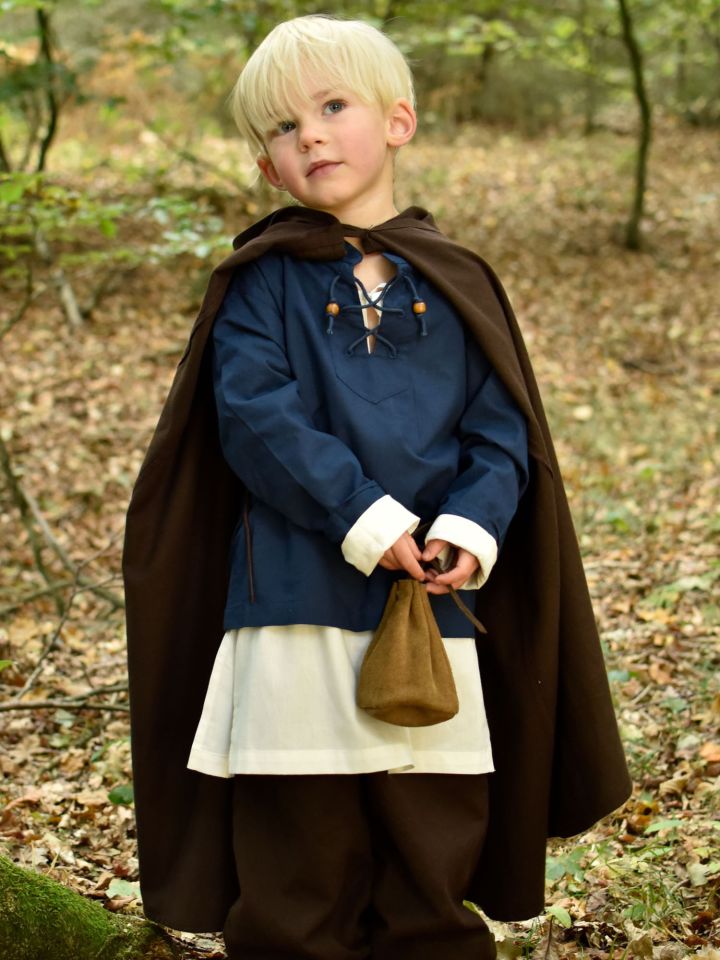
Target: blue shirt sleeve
{"points": [[493, 464], [266, 433]]}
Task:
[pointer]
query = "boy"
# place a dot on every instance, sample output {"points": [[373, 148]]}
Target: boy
{"points": [[363, 375]]}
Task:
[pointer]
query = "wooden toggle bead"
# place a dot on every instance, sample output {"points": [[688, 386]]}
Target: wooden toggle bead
{"points": [[332, 309], [419, 306]]}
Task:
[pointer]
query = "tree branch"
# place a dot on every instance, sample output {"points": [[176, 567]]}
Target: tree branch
{"points": [[64, 705], [49, 646], [191, 157], [68, 300], [31, 295], [29, 510], [107, 595], [23, 506]]}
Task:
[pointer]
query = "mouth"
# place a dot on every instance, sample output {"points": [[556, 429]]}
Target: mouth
{"points": [[321, 166]]}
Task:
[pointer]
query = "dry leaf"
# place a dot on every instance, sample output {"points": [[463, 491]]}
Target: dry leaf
{"points": [[710, 752], [642, 947]]}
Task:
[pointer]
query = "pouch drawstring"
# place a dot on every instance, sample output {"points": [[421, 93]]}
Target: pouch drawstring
{"points": [[437, 565]]}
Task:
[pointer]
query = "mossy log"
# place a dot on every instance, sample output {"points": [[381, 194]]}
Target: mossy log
{"points": [[42, 920]]}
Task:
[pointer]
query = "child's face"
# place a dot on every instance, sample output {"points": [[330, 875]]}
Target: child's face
{"points": [[336, 154]]}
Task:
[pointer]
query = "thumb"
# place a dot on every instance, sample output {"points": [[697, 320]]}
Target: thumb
{"points": [[433, 548]]}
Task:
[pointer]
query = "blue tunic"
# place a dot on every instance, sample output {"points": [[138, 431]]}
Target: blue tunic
{"points": [[318, 429]]}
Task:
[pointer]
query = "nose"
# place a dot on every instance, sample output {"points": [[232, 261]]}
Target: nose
{"points": [[310, 134]]}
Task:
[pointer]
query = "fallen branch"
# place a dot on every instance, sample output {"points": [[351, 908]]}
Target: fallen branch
{"points": [[31, 294], [30, 510], [113, 280], [70, 704], [66, 293], [57, 585], [78, 701], [112, 598], [21, 502], [49, 646]]}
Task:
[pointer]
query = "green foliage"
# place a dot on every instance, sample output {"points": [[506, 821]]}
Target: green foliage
{"points": [[123, 888], [561, 915], [122, 795], [183, 232], [667, 595], [78, 223], [21, 79]]}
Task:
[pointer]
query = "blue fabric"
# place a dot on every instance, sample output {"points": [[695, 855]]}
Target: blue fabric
{"points": [[318, 429]]}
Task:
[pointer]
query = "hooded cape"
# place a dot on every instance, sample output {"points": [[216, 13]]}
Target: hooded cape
{"points": [[559, 762]]}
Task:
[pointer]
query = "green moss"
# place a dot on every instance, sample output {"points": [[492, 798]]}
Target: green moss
{"points": [[42, 920]]}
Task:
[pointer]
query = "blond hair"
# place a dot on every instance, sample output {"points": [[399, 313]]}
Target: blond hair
{"points": [[343, 53]]}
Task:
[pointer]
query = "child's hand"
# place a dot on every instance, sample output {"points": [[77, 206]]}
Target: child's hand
{"points": [[465, 566], [404, 554]]}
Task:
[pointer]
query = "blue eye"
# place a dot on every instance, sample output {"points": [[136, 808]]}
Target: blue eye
{"points": [[285, 126], [335, 106]]}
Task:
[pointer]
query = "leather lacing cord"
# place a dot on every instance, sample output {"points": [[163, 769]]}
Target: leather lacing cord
{"points": [[334, 309]]}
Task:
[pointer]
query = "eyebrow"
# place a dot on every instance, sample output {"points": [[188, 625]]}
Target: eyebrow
{"points": [[322, 93]]}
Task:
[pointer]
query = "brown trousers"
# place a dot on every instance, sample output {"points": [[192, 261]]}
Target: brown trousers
{"points": [[357, 866]]}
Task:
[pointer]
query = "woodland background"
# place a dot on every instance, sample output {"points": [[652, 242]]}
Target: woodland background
{"points": [[574, 146]]}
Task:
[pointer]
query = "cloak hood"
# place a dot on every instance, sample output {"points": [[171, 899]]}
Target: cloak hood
{"points": [[559, 762]]}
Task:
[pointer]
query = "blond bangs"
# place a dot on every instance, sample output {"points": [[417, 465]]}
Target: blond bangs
{"points": [[339, 53]]}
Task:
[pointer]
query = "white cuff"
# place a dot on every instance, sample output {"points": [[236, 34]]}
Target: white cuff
{"points": [[374, 531], [469, 535]]}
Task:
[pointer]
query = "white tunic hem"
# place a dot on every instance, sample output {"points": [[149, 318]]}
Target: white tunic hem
{"points": [[283, 762]]}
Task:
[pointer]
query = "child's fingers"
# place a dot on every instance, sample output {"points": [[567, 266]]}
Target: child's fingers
{"points": [[436, 588], [408, 555], [433, 548], [465, 566], [404, 554]]}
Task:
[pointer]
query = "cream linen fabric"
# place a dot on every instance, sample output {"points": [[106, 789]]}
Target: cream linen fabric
{"points": [[282, 700]]}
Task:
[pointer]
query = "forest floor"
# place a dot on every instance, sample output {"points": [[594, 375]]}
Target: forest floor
{"points": [[626, 347]]}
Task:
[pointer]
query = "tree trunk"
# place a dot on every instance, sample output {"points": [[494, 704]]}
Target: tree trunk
{"points": [[42, 920], [590, 79], [46, 50], [633, 238]]}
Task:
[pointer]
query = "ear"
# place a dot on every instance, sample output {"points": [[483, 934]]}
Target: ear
{"points": [[269, 172], [401, 123]]}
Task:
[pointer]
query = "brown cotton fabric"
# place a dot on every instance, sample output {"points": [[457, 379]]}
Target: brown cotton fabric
{"points": [[353, 866], [405, 677], [558, 758]]}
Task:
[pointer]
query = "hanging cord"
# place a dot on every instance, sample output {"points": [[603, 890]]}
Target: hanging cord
{"points": [[438, 567], [419, 306], [248, 545], [460, 604]]}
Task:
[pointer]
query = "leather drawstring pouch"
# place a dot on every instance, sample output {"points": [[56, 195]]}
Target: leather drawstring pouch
{"points": [[405, 677]]}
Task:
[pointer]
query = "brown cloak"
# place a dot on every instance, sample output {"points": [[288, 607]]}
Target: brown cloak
{"points": [[559, 762]]}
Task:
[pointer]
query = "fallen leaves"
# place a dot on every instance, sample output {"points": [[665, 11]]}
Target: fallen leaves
{"points": [[625, 349]]}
